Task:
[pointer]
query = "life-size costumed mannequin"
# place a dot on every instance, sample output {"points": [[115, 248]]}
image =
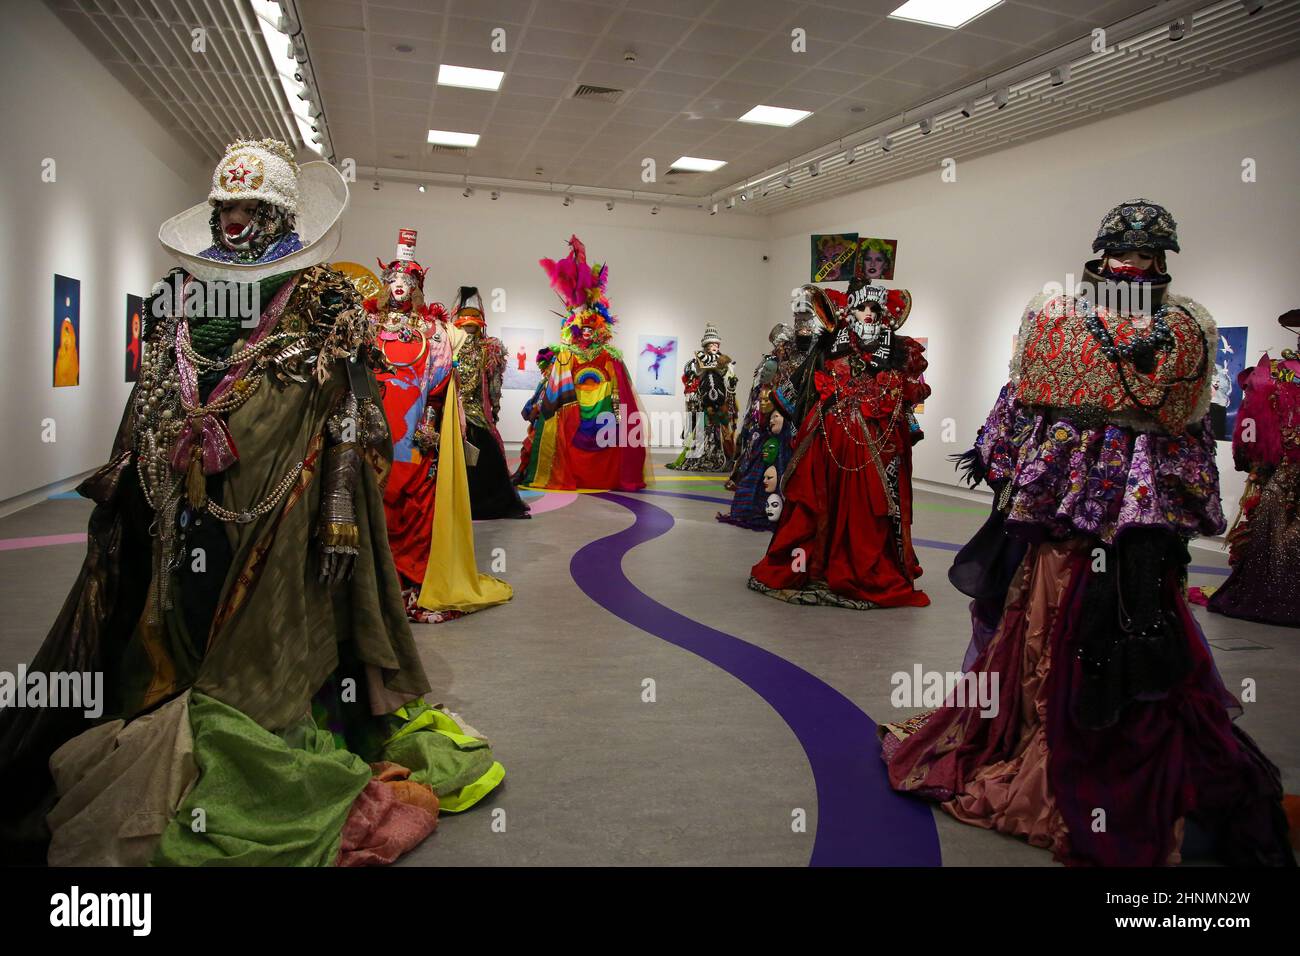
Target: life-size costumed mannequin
{"points": [[1101, 459], [1265, 541], [531, 411], [588, 430], [238, 594], [418, 346], [710, 384], [480, 367], [844, 536], [766, 431]]}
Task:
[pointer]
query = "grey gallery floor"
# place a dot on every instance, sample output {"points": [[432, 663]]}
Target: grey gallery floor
{"points": [[651, 710]]}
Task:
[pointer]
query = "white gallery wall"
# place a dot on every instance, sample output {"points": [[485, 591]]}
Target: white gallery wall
{"points": [[974, 251], [118, 174], [668, 273]]}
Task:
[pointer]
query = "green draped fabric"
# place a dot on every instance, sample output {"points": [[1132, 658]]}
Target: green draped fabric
{"points": [[266, 800]]}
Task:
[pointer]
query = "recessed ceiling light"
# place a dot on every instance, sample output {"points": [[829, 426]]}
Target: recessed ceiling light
{"points": [[696, 165], [951, 14], [442, 137], [469, 78], [775, 116]]}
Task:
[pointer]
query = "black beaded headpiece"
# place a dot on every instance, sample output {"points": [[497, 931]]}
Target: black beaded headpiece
{"points": [[1137, 224]]}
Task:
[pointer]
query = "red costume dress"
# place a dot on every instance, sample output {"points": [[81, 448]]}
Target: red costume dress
{"points": [[413, 391], [1265, 541], [844, 536]]}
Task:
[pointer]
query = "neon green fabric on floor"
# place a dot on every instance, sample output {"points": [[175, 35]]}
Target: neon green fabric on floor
{"points": [[430, 744]]}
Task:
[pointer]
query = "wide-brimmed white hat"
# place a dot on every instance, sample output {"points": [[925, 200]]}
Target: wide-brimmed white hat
{"points": [[322, 197]]}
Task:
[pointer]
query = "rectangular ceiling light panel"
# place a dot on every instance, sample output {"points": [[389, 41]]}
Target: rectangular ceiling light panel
{"points": [[775, 116], [952, 14], [468, 78], [442, 137], [696, 165]]}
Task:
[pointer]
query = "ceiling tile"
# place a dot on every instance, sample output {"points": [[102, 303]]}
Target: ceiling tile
{"points": [[934, 74], [556, 43], [758, 14], [698, 64], [359, 100], [976, 52], [637, 27], [864, 62], [392, 104], [334, 13], [1014, 23], [584, 18], [403, 23], [535, 64], [771, 72], [715, 38], [618, 76], [666, 81], [342, 116], [525, 102], [421, 6], [501, 11], [827, 81], [1108, 13], [384, 69], [897, 36], [610, 49], [422, 51], [681, 8], [554, 87], [752, 93], [479, 57], [404, 89], [825, 24], [349, 64], [342, 41], [520, 118]]}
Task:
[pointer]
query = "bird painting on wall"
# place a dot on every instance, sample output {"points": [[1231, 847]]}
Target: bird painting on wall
{"points": [[660, 352]]}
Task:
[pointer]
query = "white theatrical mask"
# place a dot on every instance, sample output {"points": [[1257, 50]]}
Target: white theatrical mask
{"points": [[773, 508]]}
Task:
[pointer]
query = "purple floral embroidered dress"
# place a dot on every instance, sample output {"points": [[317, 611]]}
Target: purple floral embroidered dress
{"points": [[1108, 705]]}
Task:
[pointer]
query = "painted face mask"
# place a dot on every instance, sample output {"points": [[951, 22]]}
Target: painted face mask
{"points": [[399, 289], [773, 507]]}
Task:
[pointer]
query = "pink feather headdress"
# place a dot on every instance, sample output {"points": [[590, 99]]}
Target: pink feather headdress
{"points": [[581, 288]]}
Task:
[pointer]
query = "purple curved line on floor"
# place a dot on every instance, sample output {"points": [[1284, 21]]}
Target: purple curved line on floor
{"points": [[860, 820], [920, 542]]}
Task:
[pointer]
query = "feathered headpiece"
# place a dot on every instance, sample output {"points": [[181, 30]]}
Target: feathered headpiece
{"points": [[582, 290], [465, 314]]}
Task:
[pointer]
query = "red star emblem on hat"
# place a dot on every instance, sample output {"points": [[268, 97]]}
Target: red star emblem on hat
{"points": [[238, 173]]}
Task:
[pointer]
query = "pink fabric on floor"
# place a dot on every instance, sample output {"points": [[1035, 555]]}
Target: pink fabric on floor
{"points": [[380, 828]]}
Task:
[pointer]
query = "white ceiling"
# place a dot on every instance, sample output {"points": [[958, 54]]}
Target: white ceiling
{"points": [[700, 64]]}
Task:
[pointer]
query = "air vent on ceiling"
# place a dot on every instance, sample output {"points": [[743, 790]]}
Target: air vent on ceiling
{"points": [[684, 172], [436, 148], [605, 94]]}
